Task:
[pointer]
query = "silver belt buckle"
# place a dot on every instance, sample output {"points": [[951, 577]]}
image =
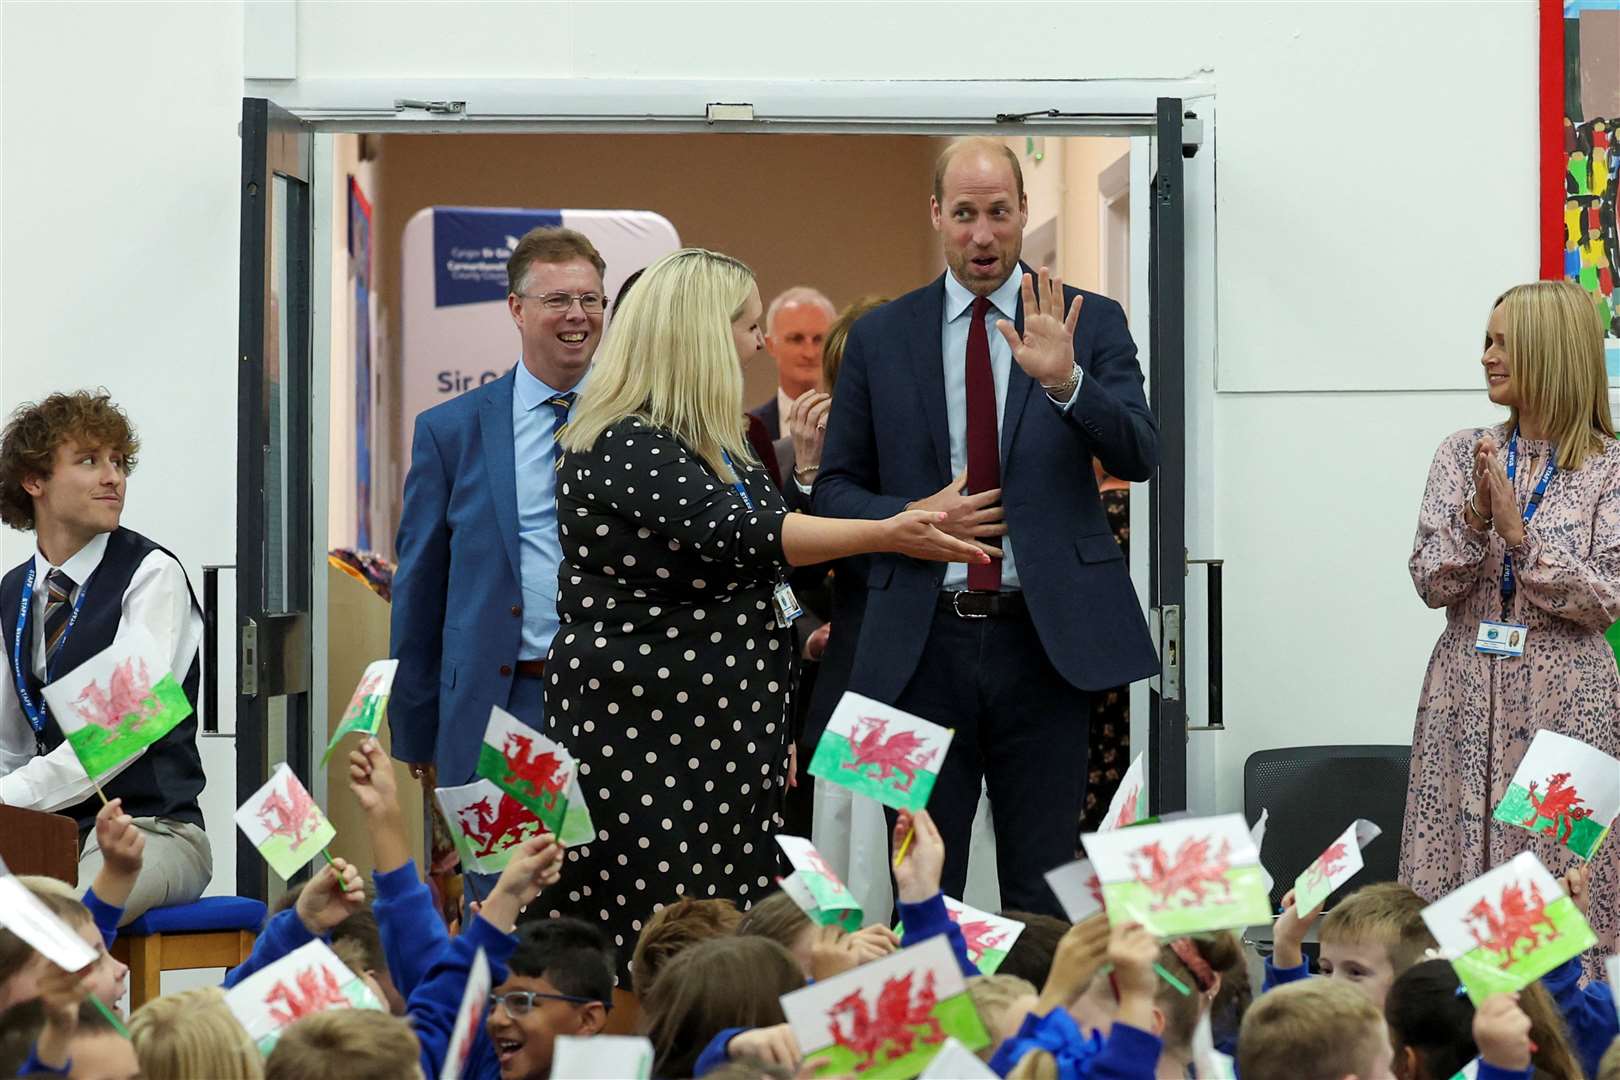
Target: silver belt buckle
{"points": [[956, 606]]}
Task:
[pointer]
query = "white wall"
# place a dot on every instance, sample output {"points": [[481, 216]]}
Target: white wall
{"points": [[1350, 257]]}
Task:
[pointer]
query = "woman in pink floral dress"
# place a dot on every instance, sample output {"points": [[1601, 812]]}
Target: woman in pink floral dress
{"points": [[1477, 714]]}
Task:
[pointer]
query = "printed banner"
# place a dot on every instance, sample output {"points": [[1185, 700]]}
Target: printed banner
{"points": [[1129, 806], [988, 937], [887, 1018], [1505, 930], [1335, 866], [816, 888], [283, 822], [486, 824], [1077, 888], [602, 1057], [1181, 877], [118, 702], [528, 766], [309, 980], [469, 1018], [1565, 790], [22, 913], [368, 705], [876, 750]]}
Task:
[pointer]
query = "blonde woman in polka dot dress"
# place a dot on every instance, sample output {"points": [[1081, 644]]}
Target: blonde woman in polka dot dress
{"points": [[668, 679], [1478, 713]]}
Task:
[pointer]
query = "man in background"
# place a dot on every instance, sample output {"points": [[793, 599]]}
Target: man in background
{"points": [[795, 326]]}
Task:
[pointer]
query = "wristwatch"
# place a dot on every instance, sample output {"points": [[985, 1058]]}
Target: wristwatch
{"points": [[1064, 390]]}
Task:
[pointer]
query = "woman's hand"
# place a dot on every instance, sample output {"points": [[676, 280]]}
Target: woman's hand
{"points": [[915, 533], [1504, 504], [807, 423], [1478, 503]]}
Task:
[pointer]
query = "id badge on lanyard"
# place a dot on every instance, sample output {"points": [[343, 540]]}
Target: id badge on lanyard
{"points": [[784, 605], [36, 710], [1509, 638]]}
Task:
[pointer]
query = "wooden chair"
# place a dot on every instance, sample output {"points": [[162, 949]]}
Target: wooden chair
{"points": [[216, 931], [36, 843]]}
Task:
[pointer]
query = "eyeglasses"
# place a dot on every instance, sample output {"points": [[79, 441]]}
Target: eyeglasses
{"points": [[520, 1002], [590, 303]]}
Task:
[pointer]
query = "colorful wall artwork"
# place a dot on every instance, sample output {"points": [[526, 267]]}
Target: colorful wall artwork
{"points": [[1580, 158]]}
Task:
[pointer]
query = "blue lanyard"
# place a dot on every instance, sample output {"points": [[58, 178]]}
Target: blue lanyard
{"points": [[1530, 507], [737, 483], [35, 711]]}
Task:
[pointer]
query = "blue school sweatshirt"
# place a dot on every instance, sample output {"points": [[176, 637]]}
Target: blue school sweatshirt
{"points": [[104, 915], [926, 918], [280, 936], [1127, 1054], [1276, 976], [1588, 1011], [412, 933], [32, 1066], [433, 1005], [1487, 1071]]}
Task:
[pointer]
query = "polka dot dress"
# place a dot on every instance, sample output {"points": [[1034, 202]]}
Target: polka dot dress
{"points": [[668, 679]]}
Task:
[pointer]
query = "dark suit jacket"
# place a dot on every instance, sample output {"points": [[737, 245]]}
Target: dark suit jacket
{"points": [[888, 444], [770, 414]]}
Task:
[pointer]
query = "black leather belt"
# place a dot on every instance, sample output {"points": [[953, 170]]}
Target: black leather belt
{"points": [[969, 604]]}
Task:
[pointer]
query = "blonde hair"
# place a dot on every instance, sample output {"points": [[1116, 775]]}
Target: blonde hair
{"points": [[371, 1045], [1609, 1067], [1555, 340], [1311, 1030], [670, 359], [995, 995], [1385, 913], [42, 886], [194, 1033]]}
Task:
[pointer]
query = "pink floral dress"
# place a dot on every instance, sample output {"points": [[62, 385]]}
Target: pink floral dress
{"points": [[1477, 713]]}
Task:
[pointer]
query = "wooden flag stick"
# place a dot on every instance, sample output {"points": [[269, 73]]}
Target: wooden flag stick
{"points": [[327, 856], [905, 845], [103, 794]]}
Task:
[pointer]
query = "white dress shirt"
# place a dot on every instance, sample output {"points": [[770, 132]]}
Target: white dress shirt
{"points": [[957, 319], [784, 405], [157, 600]]}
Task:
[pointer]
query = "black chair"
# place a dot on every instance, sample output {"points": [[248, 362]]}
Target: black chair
{"points": [[1314, 793]]}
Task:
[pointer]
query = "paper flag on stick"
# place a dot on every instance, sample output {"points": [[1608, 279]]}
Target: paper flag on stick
{"points": [[118, 702], [988, 937], [1565, 790], [469, 1018], [1130, 802], [283, 822], [577, 827], [815, 888], [1335, 866], [886, 1018], [1258, 835], [310, 979], [528, 766], [1505, 930], [368, 705], [1209, 1062], [879, 751], [486, 824], [956, 1062], [1077, 888], [602, 1057], [22, 913], [1180, 877]]}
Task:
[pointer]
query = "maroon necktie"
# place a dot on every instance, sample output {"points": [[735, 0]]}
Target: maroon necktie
{"points": [[983, 439]]}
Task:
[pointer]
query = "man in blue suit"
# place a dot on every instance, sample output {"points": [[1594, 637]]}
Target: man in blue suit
{"points": [[475, 596], [986, 394]]}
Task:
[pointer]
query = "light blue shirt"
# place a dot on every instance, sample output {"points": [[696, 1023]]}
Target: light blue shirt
{"points": [[534, 426], [957, 318]]}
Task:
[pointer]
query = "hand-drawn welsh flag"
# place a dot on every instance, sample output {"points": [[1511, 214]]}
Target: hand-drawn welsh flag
{"points": [[1180, 877], [486, 824], [118, 702], [1565, 790], [877, 750], [469, 1018], [888, 1018], [368, 705], [1077, 888], [956, 1062], [815, 888], [309, 980], [988, 937], [1505, 930], [25, 915], [1130, 802], [577, 827], [1335, 866], [531, 768], [602, 1057], [283, 822]]}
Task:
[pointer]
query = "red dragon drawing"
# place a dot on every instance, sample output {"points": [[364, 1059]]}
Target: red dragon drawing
{"points": [[900, 753], [890, 1030], [981, 936], [289, 814], [1561, 805], [544, 774], [128, 693], [315, 989], [496, 829], [370, 686], [1127, 809], [1518, 918], [1194, 869], [1331, 862]]}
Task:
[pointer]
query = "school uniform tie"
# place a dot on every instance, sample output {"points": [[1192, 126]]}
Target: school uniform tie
{"points": [[983, 435], [560, 405], [58, 590]]}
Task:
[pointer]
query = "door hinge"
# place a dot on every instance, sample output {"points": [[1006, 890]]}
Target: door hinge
{"points": [[441, 108], [1170, 652], [717, 111], [250, 658]]}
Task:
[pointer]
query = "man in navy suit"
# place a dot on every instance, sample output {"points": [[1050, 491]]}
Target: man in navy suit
{"points": [[475, 596], [795, 326], [986, 394]]}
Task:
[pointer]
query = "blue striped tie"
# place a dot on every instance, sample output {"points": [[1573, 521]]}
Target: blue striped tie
{"points": [[561, 403], [59, 587]]}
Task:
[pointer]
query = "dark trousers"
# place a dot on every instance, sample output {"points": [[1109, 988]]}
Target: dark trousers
{"points": [[1021, 729]]}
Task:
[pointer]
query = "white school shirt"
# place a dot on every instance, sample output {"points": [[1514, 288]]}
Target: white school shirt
{"points": [[158, 601]]}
